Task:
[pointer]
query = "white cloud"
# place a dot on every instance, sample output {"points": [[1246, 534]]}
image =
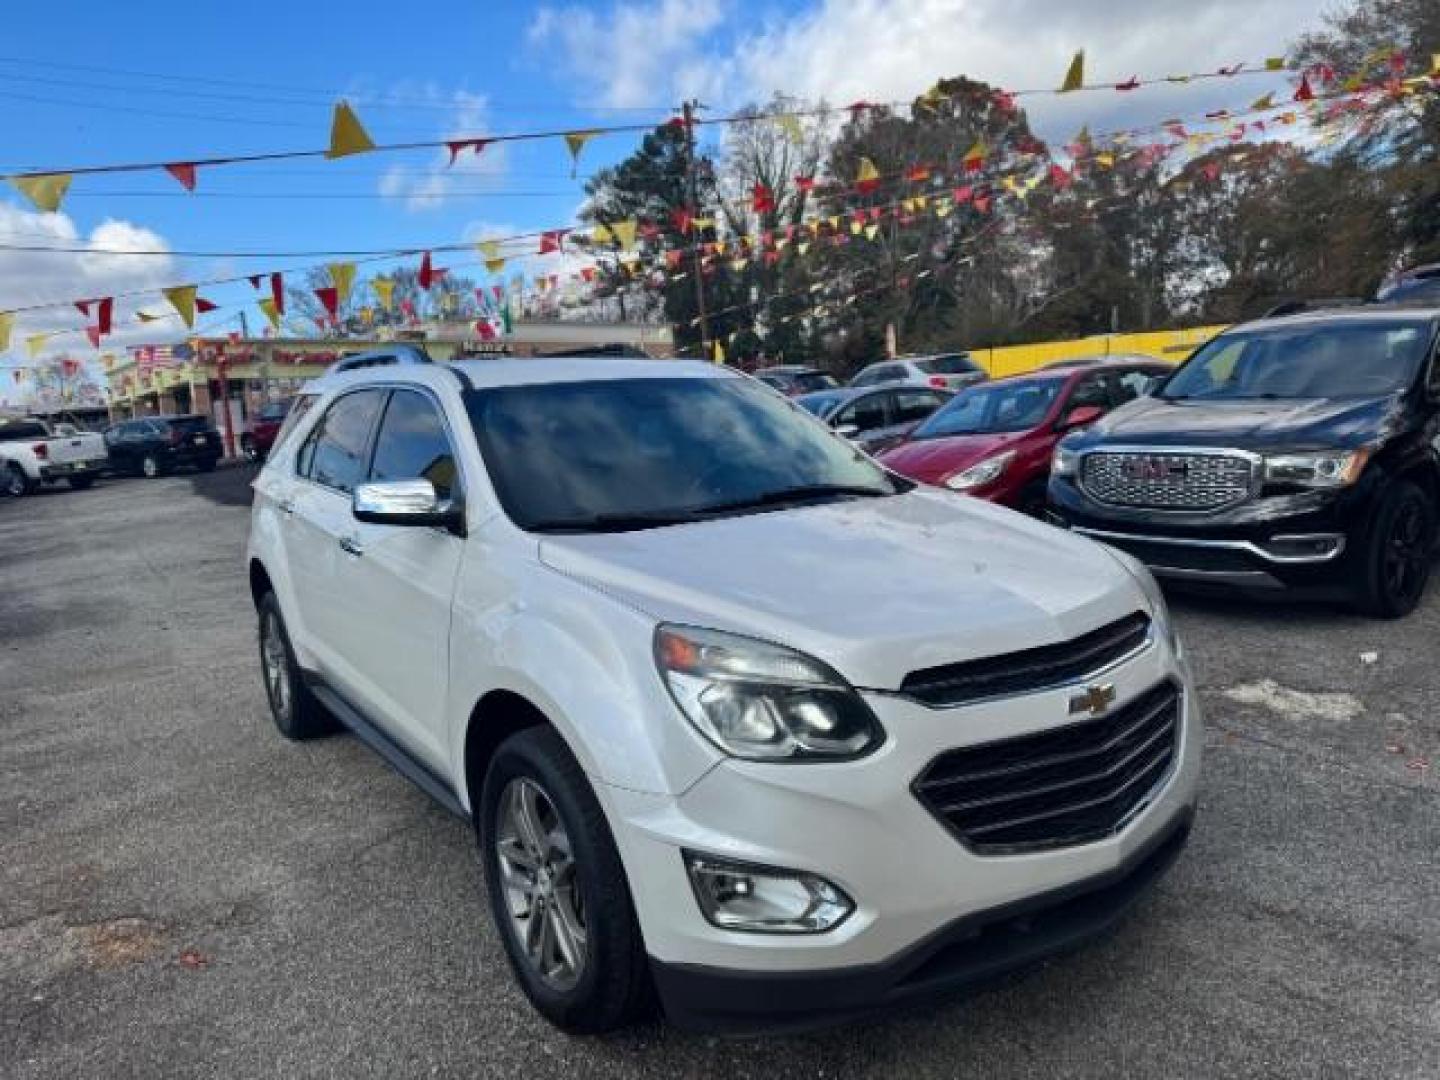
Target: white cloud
{"points": [[631, 55], [429, 187], [847, 50]]}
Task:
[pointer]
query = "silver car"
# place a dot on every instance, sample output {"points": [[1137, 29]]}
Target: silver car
{"points": [[945, 371]]}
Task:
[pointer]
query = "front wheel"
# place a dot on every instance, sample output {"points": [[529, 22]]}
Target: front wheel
{"points": [[557, 888], [150, 467], [1395, 563], [296, 711]]}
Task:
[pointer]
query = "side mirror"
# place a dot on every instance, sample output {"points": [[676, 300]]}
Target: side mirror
{"points": [[1081, 417], [848, 430], [405, 502]]}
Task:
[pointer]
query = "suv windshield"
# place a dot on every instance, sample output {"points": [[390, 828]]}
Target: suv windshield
{"points": [[1350, 359], [639, 453], [955, 364], [1002, 406]]}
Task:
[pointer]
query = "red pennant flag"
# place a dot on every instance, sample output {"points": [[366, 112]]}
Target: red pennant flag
{"points": [[804, 183], [673, 258], [485, 330], [982, 204], [1212, 171], [426, 276], [682, 218], [329, 298], [1132, 83], [277, 292], [83, 306], [407, 308], [499, 291], [855, 108], [202, 305], [1304, 93], [1060, 177], [554, 240], [762, 199], [587, 273], [104, 309], [459, 146], [184, 173], [963, 194], [1004, 101], [876, 213], [254, 280], [93, 333], [918, 174]]}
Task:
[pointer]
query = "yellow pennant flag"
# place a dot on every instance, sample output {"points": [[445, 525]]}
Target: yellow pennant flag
{"points": [[975, 156], [855, 228], [942, 210], [1105, 159], [367, 315], [790, 125], [34, 343], [347, 135], [624, 233], [803, 246], [739, 264], [1435, 63], [719, 353], [46, 192], [868, 174], [1266, 102], [871, 230], [182, 299], [1275, 63], [342, 276], [576, 141], [1075, 76], [495, 265], [490, 249], [266, 304], [384, 291], [601, 234], [7, 324]]}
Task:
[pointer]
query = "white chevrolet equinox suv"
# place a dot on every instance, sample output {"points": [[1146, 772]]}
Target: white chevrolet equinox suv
{"points": [[743, 722]]}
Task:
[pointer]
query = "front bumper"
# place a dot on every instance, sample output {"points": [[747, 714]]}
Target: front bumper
{"points": [[1311, 545], [917, 889]]}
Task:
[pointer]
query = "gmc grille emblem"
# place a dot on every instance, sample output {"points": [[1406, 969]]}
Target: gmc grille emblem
{"points": [[1153, 468]]}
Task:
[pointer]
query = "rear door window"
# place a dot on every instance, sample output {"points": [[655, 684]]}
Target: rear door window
{"points": [[912, 405], [953, 364], [413, 445], [865, 414], [335, 455]]}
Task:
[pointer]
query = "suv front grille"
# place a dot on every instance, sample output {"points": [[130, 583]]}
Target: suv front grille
{"points": [[1069, 785], [1030, 670], [1166, 480]]}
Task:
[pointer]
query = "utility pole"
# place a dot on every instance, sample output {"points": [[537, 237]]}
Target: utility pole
{"points": [[688, 111]]}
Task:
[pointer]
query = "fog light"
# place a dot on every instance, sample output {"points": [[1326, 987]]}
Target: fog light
{"points": [[764, 899]]}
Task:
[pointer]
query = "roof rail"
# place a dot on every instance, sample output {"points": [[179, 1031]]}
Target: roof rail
{"points": [[392, 354]]}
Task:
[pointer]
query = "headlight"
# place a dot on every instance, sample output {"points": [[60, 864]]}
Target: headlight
{"points": [[763, 702], [981, 474], [1064, 462], [1159, 610], [1321, 469]]}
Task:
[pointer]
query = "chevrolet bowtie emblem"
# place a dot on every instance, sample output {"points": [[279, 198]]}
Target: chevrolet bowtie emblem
{"points": [[1095, 700]]}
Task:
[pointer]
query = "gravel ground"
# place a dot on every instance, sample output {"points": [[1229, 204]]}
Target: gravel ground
{"points": [[183, 893]]}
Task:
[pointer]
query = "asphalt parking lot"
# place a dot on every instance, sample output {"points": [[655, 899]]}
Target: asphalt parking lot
{"points": [[183, 893]]}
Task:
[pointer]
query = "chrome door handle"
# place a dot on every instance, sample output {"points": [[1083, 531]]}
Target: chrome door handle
{"points": [[287, 506], [351, 546]]}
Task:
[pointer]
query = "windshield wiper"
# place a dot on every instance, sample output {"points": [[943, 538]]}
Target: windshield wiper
{"points": [[617, 522], [799, 494]]}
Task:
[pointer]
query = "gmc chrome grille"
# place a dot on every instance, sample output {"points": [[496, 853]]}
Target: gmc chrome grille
{"points": [[1030, 670], [1070, 785], [1166, 480]]}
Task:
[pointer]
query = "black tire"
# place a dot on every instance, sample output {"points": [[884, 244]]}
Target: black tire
{"points": [[150, 467], [1396, 560], [15, 483], [295, 710], [613, 984], [80, 483]]}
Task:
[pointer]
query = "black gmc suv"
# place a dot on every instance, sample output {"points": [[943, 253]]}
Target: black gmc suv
{"points": [[1295, 452]]}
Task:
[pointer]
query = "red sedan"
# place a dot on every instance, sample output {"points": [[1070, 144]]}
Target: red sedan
{"points": [[264, 426], [994, 440]]}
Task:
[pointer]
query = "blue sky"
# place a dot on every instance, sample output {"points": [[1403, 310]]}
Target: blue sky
{"points": [[93, 81]]}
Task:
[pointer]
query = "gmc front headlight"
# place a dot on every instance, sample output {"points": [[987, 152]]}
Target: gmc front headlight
{"points": [[1319, 469], [1064, 462], [981, 473], [763, 702]]}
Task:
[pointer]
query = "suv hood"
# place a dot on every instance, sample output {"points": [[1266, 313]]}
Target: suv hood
{"points": [[1249, 424], [874, 587], [932, 460]]}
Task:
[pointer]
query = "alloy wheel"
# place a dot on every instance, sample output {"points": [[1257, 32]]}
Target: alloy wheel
{"points": [[1406, 552], [542, 892], [150, 467], [14, 483], [276, 666]]}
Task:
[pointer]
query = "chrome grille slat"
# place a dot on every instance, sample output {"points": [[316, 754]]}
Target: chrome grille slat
{"points": [[1166, 479], [1070, 784]]}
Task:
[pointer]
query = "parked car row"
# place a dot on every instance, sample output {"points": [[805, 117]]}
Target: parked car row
{"points": [[32, 453]]}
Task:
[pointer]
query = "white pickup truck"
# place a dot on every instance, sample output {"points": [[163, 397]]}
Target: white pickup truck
{"points": [[31, 455]]}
